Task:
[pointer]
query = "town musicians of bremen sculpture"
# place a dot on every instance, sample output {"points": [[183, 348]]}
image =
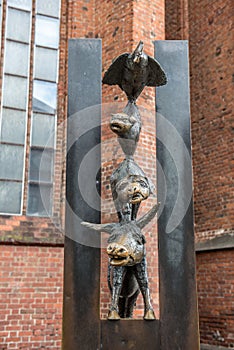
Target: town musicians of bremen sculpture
{"points": [[127, 271]]}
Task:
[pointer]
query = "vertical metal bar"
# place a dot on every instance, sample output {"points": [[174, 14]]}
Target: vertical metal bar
{"points": [[178, 302], [81, 321]]}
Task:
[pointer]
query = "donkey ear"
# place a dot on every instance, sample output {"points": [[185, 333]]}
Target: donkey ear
{"points": [[99, 227], [145, 219]]}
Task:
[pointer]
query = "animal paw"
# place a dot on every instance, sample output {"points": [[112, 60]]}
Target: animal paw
{"points": [[149, 315], [113, 315]]}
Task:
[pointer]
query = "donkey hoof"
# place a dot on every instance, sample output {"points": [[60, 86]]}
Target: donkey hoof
{"points": [[113, 315], [149, 315]]}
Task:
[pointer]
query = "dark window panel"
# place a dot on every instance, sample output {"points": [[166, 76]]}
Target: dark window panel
{"points": [[11, 162], [10, 197], [13, 126], [43, 130], [18, 25], [47, 32], [46, 63], [15, 91], [44, 96], [41, 165], [49, 7], [16, 58], [39, 200]]}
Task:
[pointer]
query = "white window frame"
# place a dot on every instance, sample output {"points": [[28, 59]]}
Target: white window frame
{"points": [[26, 104]]}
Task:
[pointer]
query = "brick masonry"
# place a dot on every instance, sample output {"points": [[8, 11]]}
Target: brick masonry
{"points": [[121, 24], [30, 297], [210, 41], [215, 273], [209, 29], [211, 45]]}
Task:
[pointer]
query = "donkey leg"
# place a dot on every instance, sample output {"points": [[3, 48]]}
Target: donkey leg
{"points": [[118, 275], [142, 279]]}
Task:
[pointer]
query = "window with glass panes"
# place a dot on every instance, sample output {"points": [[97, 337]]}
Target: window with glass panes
{"points": [[18, 37]]}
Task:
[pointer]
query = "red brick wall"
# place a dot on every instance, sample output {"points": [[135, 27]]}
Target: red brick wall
{"points": [[212, 105], [80, 18], [211, 44], [215, 282], [208, 27], [30, 297], [176, 19]]}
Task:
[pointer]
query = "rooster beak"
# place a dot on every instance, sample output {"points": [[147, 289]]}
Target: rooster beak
{"points": [[139, 47], [137, 59], [138, 52]]}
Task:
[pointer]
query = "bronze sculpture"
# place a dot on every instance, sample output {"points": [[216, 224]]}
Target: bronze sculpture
{"points": [[127, 274], [129, 186], [126, 250], [127, 126], [133, 71]]}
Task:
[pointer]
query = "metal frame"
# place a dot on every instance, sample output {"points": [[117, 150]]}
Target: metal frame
{"points": [[177, 328]]}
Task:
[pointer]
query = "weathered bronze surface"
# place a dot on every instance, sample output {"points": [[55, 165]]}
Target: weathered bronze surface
{"points": [[127, 265], [133, 71], [127, 126], [130, 186]]}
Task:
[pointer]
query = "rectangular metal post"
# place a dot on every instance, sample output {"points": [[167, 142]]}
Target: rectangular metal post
{"points": [[178, 302], [81, 323], [130, 334]]}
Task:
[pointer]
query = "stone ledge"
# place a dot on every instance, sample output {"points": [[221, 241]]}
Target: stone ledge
{"points": [[225, 241], [52, 239], [213, 347]]}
